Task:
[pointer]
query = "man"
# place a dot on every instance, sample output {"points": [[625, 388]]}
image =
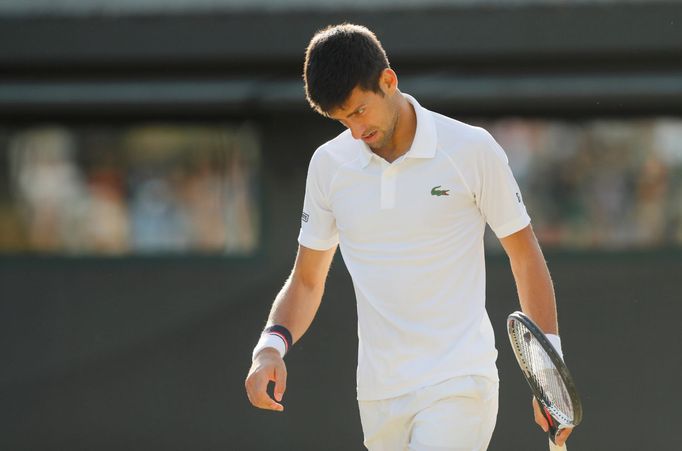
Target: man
{"points": [[406, 193]]}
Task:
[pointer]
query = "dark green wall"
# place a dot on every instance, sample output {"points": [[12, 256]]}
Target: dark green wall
{"points": [[110, 357], [577, 57]]}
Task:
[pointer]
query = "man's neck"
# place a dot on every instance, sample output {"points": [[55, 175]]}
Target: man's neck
{"points": [[403, 135]]}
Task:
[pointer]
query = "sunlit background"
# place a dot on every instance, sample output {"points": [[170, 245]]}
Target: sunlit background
{"points": [[604, 184], [600, 184], [145, 188]]}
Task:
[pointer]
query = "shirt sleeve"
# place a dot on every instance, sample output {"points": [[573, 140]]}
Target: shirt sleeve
{"points": [[499, 196], [318, 225]]}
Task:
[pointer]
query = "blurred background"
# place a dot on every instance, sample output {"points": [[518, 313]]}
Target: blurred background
{"points": [[152, 166]]}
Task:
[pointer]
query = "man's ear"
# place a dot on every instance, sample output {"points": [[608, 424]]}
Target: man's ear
{"points": [[388, 81]]}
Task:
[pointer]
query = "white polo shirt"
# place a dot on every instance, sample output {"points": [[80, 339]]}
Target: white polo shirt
{"points": [[411, 235]]}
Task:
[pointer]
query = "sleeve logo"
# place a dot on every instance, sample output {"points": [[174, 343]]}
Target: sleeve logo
{"points": [[305, 217]]}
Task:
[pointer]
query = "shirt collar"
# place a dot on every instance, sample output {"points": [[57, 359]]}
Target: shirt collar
{"points": [[425, 138]]}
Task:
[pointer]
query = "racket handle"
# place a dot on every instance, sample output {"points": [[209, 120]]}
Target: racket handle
{"points": [[553, 426], [554, 447]]}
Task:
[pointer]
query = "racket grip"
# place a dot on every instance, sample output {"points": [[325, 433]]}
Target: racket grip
{"points": [[553, 426], [554, 447]]}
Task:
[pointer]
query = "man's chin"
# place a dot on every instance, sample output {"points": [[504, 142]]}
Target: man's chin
{"points": [[377, 145]]}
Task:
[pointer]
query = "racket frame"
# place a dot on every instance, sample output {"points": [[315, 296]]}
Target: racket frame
{"points": [[556, 419]]}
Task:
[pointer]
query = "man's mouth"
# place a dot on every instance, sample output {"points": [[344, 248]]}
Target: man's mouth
{"points": [[369, 136]]}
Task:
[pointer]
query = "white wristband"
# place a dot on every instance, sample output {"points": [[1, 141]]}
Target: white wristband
{"points": [[269, 341], [556, 343]]}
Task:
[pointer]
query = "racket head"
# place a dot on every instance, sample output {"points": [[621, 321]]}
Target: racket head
{"points": [[544, 371]]}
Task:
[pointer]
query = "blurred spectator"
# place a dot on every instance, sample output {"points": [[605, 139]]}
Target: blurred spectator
{"points": [[49, 188], [157, 220]]}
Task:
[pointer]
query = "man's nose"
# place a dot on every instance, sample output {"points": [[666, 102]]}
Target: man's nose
{"points": [[357, 130]]}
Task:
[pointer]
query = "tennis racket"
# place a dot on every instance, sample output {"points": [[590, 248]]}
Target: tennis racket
{"points": [[546, 373]]}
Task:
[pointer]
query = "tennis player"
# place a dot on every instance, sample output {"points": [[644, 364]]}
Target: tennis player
{"points": [[406, 194]]}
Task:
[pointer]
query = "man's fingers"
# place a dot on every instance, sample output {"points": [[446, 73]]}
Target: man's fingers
{"points": [[272, 405], [280, 382], [262, 400], [264, 369], [539, 417], [256, 390], [562, 436]]}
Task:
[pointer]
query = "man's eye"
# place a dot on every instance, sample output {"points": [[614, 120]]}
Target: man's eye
{"points": [[361, 110]]}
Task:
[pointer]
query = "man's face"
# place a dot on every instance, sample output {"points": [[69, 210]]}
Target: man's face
{"points": [[370, 116]]}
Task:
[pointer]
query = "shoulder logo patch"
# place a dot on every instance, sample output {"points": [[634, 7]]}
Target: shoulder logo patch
{"points": [[305, 217], [436, 191]]}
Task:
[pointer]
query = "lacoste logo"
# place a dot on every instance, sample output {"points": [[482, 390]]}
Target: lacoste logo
{"points": [[439, 192]]}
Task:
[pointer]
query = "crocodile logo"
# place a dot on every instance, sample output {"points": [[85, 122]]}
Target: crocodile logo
{"points": [[439, 192]]}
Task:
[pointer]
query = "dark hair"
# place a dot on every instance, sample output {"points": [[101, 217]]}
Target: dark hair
{"points": [[338, 59]]}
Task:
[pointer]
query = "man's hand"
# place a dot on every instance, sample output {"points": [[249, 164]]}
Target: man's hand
{"points": [[561, 436], [268, 366]]}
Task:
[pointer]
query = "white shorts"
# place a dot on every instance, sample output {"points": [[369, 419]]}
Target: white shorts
{"points": [[458, 414]]}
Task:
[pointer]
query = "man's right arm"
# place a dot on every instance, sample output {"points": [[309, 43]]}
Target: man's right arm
{"points": [[294, 308]]}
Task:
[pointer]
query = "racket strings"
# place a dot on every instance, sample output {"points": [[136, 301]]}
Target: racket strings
{"points": [[542, 372]]}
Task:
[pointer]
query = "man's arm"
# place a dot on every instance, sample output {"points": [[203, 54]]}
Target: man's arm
{"points": [[536, 295], [294, 308], [297, 302], [533, 283]]}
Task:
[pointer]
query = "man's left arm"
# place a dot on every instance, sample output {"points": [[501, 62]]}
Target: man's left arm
{"points": [[533, 282], [536, 294]]}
